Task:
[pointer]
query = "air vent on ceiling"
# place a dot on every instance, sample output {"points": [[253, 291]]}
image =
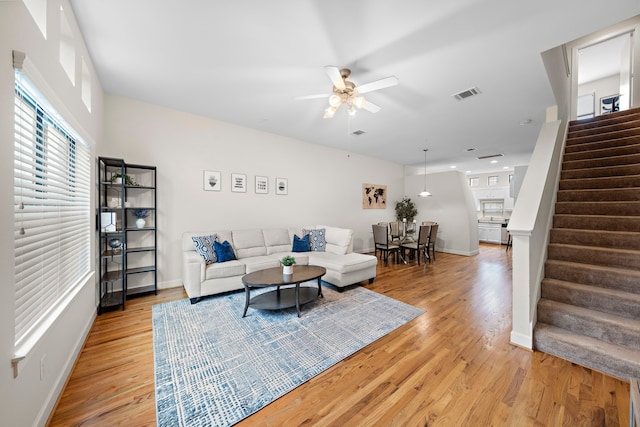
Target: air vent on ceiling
{"points": [[466, 93], [490, 156], [358, 132]]}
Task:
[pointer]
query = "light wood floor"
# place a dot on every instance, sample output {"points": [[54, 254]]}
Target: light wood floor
{"points": [[452, 366]]}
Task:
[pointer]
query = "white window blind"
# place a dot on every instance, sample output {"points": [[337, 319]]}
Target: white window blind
{"points": [[52, 168]]}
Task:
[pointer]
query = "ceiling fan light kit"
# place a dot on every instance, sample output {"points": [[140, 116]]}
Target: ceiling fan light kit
{"points": [[346, 93]]}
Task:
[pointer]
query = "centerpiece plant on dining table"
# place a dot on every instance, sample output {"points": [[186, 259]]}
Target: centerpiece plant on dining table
{"points": [[406, 209]]}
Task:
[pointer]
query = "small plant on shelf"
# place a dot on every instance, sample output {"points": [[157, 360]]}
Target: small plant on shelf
{"points": [[141, 213], [288, 261], [123, 178]]}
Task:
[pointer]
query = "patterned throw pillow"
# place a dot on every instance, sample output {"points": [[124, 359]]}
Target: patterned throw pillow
{"points": [[224, 251], [316, 239], [301, 244], [204, 247]]}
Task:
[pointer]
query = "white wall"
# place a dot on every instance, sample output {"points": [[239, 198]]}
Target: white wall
{"points": [[27, 399], [451, 206], [325, 185]]}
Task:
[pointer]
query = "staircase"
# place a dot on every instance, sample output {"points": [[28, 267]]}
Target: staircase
{"points": [[589, 311]]}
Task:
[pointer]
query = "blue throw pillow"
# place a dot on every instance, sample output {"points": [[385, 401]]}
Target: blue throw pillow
{"points": [[301, 244], [204, 247], [224, 251]]}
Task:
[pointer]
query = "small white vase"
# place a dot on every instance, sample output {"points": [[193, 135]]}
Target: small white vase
{"points": [[287, 269], [140, 222]]}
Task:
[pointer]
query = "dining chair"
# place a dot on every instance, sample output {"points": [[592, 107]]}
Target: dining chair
{"points": [[394, 232], [420, 245], [382, 244], [431, 246]]}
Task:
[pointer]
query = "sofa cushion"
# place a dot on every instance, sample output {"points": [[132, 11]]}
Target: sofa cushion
{"points": [[339, 240], [225, 269], [317, 240], [342, 263], [248, 243], [256, 263], [277, 240], [224, 251], [204, 247], [301, 244], [187, 241]]}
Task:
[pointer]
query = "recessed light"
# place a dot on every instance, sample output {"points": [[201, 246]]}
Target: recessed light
{"points": [[505, 167], [452, 167], [468, 171], [494, 161]]}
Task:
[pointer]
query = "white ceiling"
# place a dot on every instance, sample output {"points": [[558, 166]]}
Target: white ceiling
{"points": [[245, 62]]}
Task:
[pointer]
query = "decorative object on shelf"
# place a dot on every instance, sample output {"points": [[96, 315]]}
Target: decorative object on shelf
{"points": [[117, 178], [141, 214], [374, 196], [287, 264], [609, 104], [115, 243], [108, 222], [406, 210], [425, 193], [212, 181], [282, 186], [262, 185], [238, 183]]}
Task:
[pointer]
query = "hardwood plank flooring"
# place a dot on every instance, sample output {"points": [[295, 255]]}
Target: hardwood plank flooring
{"points": [[452, 366]]}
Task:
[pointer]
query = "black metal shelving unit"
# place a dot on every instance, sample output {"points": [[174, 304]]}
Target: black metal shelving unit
{"points": [[127, 248]]}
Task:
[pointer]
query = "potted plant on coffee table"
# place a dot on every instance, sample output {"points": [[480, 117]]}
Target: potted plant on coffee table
{"points": [[287, 264]]}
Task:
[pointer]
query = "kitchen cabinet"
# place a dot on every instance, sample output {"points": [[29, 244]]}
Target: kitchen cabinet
{"points": [[490, 232]]}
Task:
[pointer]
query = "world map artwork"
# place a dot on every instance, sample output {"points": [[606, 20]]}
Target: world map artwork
{"points": [[374, 196]]}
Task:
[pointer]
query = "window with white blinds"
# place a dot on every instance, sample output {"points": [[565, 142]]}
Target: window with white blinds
{"points": [[52, 210]]}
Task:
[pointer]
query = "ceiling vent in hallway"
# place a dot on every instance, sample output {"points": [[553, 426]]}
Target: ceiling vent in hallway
{"points": [[490, 156], [467, 93]]}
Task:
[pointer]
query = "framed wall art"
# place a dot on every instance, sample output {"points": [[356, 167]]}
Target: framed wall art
{"points": [[282, 186], [212, 181], [238, 183], [374, 196], [609, 104], [262, 185]]}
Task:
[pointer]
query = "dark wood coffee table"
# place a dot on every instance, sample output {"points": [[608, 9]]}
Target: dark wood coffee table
{"points": [[282, 298]]}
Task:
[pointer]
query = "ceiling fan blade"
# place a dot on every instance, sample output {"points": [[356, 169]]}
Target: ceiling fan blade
{"points": [[378, 84], [316, 96], [370, 106], [335, 76]]}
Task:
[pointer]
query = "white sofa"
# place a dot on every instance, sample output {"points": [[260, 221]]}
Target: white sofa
{"points": [[258, 249]]}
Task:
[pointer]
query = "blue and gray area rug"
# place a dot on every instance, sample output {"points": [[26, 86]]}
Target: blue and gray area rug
{"points": [[215, 368]]}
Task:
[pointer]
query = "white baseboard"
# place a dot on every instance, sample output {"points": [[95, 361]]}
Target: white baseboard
{"points": [[521, 340], [170, 284]]}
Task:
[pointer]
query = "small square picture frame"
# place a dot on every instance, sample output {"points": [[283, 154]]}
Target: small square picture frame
{"points": [[238, 183], [282, 186], [212, 181], [262, 185]]}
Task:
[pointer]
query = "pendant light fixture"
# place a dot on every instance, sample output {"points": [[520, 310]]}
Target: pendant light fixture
{"points": [[425, 193]]}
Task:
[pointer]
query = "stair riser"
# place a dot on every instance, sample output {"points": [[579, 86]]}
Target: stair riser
{"points": [[597, 142], [593, 277], [601, 195], [602, 223], [620, 118], [617, 240], [602, 152], [613, 171], [613, 132], [593, 298], [601, 162], [585, 356], [594, 256], [584, 324], [595, 208], [600, 183]]}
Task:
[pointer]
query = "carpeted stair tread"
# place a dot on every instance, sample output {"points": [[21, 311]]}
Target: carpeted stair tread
{"points": [[595, 255], [595, 275], [623, 240], [605, 171], [599, 195], [612, 131], [599, 208], [624, 181], [612, 301], [587, 140], [592, 323], [627, 159], [619, 117], [608, 148], [597, 222], [617, 361]]}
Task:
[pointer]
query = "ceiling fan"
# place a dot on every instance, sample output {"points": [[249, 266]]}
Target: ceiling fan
{"points": [[347, 93]]}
